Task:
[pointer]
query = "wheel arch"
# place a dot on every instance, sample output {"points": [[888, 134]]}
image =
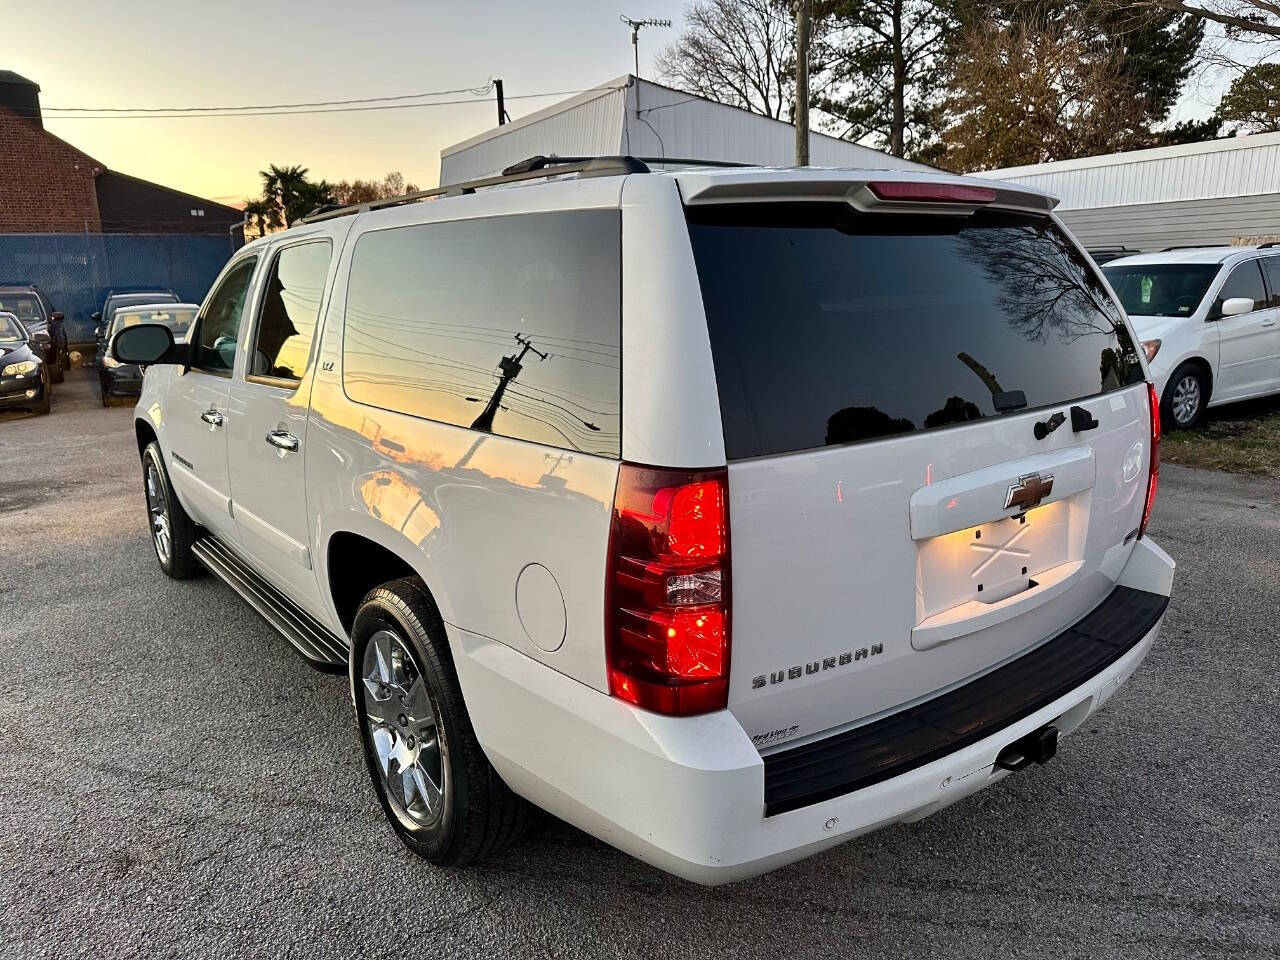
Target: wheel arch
{"points": [[145, 434], [356, 561]]}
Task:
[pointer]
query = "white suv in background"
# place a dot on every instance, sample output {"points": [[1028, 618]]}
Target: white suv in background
{"points": [[1207, 318], [727, 514]]}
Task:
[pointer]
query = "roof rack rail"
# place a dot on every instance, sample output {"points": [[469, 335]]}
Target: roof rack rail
{"points": [[1195, 246], [533, 168], [1269, 244]]}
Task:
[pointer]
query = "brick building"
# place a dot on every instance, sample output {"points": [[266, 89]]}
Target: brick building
{"points": [[48, 186]]}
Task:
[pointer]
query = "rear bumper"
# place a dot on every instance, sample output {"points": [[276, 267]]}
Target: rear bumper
{"points": [[688, 795]]}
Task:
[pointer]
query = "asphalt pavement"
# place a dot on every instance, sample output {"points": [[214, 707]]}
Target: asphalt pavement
{"points": [[176, 782]]}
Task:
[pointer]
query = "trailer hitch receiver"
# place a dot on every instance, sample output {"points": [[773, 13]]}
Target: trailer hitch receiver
{"points": [[1038, 746]]}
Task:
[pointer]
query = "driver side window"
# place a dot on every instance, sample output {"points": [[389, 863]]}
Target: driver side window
{"points": [[220, 321]]}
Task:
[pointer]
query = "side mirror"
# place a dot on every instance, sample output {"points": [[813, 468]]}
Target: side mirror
{"points": [[1236, 306], [96, 316], [147, 343], [56, 317]]}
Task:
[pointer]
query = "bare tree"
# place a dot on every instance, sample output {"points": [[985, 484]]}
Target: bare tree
{"points": [[347, 192], [1243, 19], [739, 52], [1031, 91], [1243, 32]]}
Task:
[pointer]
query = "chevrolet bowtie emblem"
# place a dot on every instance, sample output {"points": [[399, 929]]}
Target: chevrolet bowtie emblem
{"points": [[1029, 491]]}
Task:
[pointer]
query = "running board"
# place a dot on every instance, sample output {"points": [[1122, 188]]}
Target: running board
{"points": [[315, 642]]}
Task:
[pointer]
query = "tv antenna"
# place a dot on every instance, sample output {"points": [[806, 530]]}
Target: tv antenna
{"points": [[635, 26]]}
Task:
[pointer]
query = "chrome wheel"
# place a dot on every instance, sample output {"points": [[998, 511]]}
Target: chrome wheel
{"points": [[402, 726], [158, 510], [1185, 402]]}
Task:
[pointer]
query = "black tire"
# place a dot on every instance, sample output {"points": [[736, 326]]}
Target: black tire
{"points": [[56, 370], [106, 397], [477, 814], [178, 561], [1188, 381], [42, 407]]}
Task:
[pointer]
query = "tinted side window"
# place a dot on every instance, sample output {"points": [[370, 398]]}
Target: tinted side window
{"points": [[290, 308], [508, 325], [1245, 281], [220, 320], [1272, 266]]}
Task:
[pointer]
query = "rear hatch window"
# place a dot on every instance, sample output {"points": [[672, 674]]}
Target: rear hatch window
{"points": [[830, 326]]}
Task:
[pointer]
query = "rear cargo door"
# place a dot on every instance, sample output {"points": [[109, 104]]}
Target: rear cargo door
{"points": [[937, 433]]}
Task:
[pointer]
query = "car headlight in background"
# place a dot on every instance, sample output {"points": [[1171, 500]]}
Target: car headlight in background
{"points": [[1152, 347], [19, 369]]}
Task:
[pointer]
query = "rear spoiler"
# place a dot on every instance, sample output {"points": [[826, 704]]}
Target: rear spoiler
{"points": [[882, 191]]}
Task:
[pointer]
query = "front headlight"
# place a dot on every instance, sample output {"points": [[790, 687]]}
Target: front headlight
{"points": [[1151, 347], [19, 369]]}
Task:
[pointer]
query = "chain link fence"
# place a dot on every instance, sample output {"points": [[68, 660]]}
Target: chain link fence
{"points": [[77, 270]]}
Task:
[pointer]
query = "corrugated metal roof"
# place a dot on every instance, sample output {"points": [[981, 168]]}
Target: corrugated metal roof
{"points": [[641, 118], [588, 124], [1233, 167], [662, 121]]}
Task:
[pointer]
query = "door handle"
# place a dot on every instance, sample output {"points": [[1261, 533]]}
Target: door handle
{"points": [[213, 418], [1268, 323], [284, 441]]}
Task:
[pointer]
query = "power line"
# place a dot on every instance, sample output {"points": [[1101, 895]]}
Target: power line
{"points": [[474, 91], [300, 113]]}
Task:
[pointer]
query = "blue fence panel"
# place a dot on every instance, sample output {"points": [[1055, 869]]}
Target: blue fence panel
{"points": [[76, 270]]}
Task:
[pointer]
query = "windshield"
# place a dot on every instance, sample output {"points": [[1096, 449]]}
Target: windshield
{"points": [[22, 305], [178, 320], [1161, 289], [10, 330], [832, 326]]}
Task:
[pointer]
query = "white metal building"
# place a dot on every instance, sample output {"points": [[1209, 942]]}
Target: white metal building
{"points": [[1217, 192], [644, 119]]}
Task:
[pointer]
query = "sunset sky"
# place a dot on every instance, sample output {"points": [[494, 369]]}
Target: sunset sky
{"points": [[179, 53], [146, 53]]}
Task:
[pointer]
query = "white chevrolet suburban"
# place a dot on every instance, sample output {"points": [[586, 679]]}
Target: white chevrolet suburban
{"points": [[726, 514]]}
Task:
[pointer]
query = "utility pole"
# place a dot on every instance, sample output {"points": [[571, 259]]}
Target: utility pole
{"points": [[511, 368], [502, 109], [804, 10], [635, 26]]}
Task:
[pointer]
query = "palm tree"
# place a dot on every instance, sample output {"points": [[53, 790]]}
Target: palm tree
{"points": [[261, 214], [281, 187], [307, 198]]}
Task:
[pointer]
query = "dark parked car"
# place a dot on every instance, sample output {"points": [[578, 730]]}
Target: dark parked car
{"points": [[24, 376], [125, 379], [33, 308]]}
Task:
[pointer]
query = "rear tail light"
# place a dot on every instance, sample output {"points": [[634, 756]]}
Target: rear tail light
{"points": [[1153, 476], [667, 598]]}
